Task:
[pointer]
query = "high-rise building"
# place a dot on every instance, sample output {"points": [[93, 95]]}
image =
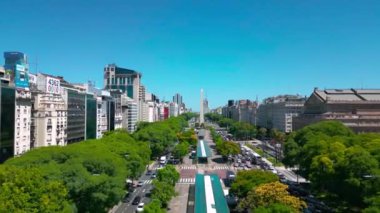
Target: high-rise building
{"points": [[278, 112], [129, 113], [49, 112], [16, 64], [7, 122], [121, 81], [173, 109], [177, 98]]}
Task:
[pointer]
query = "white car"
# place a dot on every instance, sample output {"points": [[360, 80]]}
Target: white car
{"points": [[140, 207]]}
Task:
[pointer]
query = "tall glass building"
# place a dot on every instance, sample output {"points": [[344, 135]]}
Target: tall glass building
{"points": [[7, 122], [17, 63]]}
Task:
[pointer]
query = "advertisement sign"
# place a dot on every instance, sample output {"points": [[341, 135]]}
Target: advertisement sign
{"points": [[21, 77], [53, 85], [20, 68]]}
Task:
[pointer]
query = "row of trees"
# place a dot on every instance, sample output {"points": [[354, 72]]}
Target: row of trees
{"points": [[239, 130], [163, 190], [340, 164], [260, 191], [186, 140], [88, 176], [224, 148], [162, 136]]}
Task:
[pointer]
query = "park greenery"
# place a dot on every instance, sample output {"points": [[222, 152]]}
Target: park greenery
{"points": [[88, 176], [343, 167]]}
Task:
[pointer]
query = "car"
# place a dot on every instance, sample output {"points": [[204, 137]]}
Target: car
{"points": [[149, 172], [140, 207], [136, 200], [153, 175], [140, 183]]}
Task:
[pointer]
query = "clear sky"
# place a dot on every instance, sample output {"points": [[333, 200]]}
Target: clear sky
{"points": [[232, 49]]}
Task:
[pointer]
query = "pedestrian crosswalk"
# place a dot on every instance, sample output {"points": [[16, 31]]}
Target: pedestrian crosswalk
{"points": [[186, 181], [206, 167], [220, 167], [188, 167], [147, 182]]}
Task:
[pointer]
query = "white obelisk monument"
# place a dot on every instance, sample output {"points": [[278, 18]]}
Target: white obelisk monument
{"points": [[201, 115]]}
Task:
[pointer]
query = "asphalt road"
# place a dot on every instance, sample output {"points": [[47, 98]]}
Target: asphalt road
{"points": [[139, 191]]}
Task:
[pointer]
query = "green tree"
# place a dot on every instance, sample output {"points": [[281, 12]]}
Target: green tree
{"points": [[163, 191], [154, 207], [247, 180], [274, 208], [262, 132], [181, 150], [27, 191], [168, 175]]}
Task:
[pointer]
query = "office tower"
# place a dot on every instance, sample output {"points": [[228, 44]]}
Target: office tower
{"points": [[16, 64], [121, 81], [7, 121]]}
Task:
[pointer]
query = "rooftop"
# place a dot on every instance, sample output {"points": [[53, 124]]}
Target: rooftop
{"points": [[209, 195], [203, 150], [348, 95]]}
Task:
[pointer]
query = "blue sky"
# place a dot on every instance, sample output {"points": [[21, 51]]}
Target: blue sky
{"points": [[232, 49]]}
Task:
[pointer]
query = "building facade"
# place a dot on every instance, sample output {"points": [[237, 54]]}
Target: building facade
{"points": [[49, 112], [7, 121], [358, 109], [278, 112], [121, 81], [241, 110], [16, 65]]}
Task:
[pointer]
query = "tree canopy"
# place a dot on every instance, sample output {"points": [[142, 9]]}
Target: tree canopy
{"points": [[247, 180], [337, 161], [269, 194]]}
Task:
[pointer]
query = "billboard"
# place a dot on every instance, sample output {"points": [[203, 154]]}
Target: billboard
{"points": [[53, 85], [21, 77]]}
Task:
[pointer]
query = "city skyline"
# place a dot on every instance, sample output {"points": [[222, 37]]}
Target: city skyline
{"points": [[182, 47]]}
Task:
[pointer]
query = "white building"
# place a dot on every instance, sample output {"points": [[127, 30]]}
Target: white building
{"points": [[129, 113], [173, 110], [49, 116], [278, 112], [22, 121]]}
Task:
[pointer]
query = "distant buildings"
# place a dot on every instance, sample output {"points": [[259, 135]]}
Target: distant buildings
{"points": [[358, 109], [38, 110], [241, 110], [278, 112]]}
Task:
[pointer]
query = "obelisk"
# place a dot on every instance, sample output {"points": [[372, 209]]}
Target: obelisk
{"points": [[201, 115]]}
